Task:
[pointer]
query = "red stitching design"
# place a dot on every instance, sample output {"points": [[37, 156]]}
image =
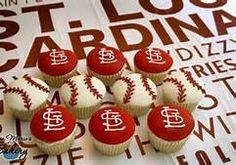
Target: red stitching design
{"points": [[74, 92], [22, 93], [147, 87], [191, 80], [181, 90], [35, 84], [130, 89], [92, 89]]}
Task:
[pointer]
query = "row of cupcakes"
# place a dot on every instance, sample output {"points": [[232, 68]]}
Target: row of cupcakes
{"points": [[105, 63]]}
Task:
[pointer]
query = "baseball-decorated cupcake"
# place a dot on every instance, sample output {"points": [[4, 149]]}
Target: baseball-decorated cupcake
{"points": [[135, 92], [57, 66], [183, 89], [154, 63], [53, 129], [83, 94], [169, 127], [25, 96], [106, 63], [112, 129]]}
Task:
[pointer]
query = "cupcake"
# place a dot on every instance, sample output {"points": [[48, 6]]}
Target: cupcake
{"points": [[25, 96], [112, 129], [57, 66], [106, 63], [53, 129], [183, 89], [83, 94], [135, 92], [154, 63], [169, 127]]}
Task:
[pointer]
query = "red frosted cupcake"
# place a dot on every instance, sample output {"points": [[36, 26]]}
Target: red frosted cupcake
{"points": [[106, 63], [54, 129], [57, 66], [169, 127], [112, 129], [154, 63]]}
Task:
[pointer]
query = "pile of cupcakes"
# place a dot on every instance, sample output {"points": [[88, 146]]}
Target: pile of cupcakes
{"points": [[111, 128]]}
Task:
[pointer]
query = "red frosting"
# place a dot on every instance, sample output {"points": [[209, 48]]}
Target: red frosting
{"points": [[39, 122], [156, 123], [97, 126], [64, 63], [105, 60], [160, 61]]}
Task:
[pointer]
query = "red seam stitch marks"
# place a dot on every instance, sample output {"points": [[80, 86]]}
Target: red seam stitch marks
{"points": [[147, 87], [92, 89], [130, 89], [35, 84], [181, 90], [74, 92], [191, 80], [22, 93]]}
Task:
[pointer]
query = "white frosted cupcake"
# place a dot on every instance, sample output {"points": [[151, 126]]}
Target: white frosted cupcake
{"points": [[169, 127], [53, 129], [135, 92], [83, 94], [25, 96], [183, 89], [112, 129]]}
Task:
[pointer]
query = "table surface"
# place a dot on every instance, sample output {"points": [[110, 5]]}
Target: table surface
{"points": [[200, 37]]}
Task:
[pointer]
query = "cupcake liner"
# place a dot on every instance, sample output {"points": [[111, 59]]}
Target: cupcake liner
{"points": [[165, 146], [27, 115], [133, 109], [108, 80], [190, 107], [58, 147], [111, 149], [58, 81], [157, 78], [84, 112]]}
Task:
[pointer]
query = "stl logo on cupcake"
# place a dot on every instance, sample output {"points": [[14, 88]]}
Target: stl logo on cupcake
{"points": [[153, 63], [154, 56], [54, 129], [106, 56], [58, 57], [172, 118], [53, 120], [112, 129], [113, 121], [169, 127]]}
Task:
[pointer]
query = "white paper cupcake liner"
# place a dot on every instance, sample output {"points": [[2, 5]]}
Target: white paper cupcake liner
{"points": [[111, 149], [132, 109], [108, 80], [58, 147], [26, 115], [58, 81], [157, 78], [84, 112], [165, 146]]}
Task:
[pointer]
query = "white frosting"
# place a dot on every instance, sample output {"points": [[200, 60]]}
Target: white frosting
{"points": [[170, 90], [37, 97], [140, 96], [85, 98]]}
